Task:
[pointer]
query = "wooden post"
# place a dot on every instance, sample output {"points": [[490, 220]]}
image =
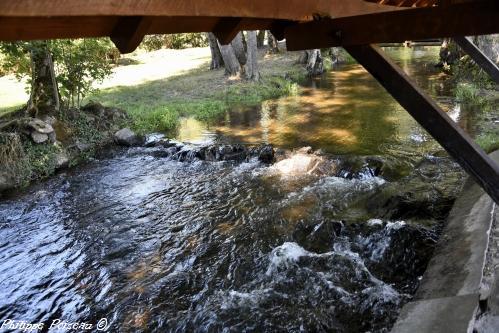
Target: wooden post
{"points": [[129, 32], [430, 116], [479, 57]]}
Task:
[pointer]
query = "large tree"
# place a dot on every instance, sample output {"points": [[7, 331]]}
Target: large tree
{"points": [[238, 57], [44, 95], [313, 61], [216, 56], [252, 72], [58, 71], [272, 43]]}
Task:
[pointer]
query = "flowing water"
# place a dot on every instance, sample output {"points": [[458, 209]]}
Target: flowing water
{"points": [[153, 243]]}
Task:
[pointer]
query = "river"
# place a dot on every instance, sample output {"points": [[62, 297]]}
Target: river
{"points": [[155, 243]]}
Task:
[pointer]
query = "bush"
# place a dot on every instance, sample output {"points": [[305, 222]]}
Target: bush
{"points": [[41, 159], [488, 141], [174, 41], [77, 63], [468, 93], [13, 160]]}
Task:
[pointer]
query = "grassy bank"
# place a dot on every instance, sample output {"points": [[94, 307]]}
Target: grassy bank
{"points": [[476, 90], [158, 104]]}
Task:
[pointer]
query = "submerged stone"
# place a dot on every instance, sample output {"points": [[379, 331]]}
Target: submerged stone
{"points": [[317, 237]]}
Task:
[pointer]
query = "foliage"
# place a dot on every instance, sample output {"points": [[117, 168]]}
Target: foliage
{"points": [[160, 118], [78, 63], [488, 141], [13, 160], [41, 159], [336, 55], [174, 41], [469, 93], [467, 70], [166, 116]]}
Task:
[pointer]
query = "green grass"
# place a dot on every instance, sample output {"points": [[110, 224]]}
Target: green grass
{"points": [[206, 95], [469, 93], [488, 141]]}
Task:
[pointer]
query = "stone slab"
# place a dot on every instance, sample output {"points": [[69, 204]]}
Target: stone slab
{"points": [[438, 315], [447, 298]]}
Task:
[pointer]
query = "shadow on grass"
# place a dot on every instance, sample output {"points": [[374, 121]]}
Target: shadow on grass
{"points": [[157, 105]]}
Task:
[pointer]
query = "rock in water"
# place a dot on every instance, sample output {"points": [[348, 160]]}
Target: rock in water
{"points": [[317, 237], [305, 150], [126, 137], [298, 164], [266, 154]]}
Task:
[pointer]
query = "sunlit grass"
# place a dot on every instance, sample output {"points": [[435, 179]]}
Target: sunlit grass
{"points": [[13, 94], [198, 92], [488, 141]]}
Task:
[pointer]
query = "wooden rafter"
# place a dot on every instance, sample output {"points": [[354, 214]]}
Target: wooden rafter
{"points": [[276, 9], [129, 31], [419, 3], [227, 28], [423, 23], [479, 57]]}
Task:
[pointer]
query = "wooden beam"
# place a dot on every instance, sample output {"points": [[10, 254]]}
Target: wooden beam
{"points": [[474, 18], [28, 28], [479, 57], [430, 116], [226, 29], [275, 9], [129, 32]]}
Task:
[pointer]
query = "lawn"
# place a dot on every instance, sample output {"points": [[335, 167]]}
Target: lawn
{"points": [[168, 84], [157, 88]]}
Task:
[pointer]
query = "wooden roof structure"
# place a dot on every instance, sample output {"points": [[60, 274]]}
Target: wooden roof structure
{"points": [[305, 24]]}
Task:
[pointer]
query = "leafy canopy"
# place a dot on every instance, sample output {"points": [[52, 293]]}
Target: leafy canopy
{"points": [[77, 63]]}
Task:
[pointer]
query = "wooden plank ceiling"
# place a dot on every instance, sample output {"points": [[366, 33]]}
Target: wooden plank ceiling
{"points": [[46, 19], [304, 23]]}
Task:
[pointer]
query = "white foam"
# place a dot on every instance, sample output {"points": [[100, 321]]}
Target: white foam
{"points": [[373, 222], [284, 255]]}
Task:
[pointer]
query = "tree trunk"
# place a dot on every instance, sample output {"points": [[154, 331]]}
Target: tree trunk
{"points": [[239, 49], [252, 64], [313, 61], [232, 66], [260, 39], [216, 56], [489, 44], [272, 42], [44, 96], [450, 52]]}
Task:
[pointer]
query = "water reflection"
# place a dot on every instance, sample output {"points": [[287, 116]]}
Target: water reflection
{"points": [[344, 112]]}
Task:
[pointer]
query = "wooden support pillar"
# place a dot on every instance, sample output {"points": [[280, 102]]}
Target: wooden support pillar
{"points": [[226, 29], [479, 57], [430, 116], [129, 32]]}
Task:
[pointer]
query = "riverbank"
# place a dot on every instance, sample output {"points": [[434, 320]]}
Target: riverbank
{"points": [[148, 92], [156, 97], [33, 149]]}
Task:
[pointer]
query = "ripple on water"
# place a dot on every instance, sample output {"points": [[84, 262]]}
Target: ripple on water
{"points": [[170, 246]]}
